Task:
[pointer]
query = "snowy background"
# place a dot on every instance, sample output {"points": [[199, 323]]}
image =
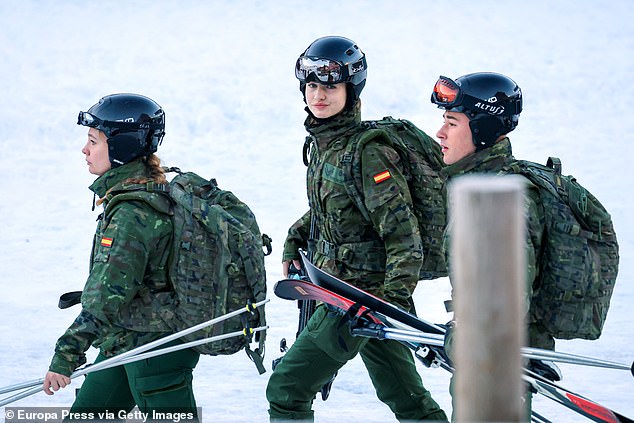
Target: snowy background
{"points": [[223, 71]]}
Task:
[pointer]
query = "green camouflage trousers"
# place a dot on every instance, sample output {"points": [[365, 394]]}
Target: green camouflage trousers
{"points": [[162, 383], [322, 348]]}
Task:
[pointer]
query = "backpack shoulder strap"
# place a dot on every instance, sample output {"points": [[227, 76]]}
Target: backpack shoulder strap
{"points": [[352, 180], [155, 195], [400, 134]]}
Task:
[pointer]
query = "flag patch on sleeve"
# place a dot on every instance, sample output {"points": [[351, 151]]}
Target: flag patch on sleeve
{"points": [[106, 242], [380, 177]]}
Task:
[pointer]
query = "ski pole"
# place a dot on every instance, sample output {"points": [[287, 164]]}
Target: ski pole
{"points": [[569, 399], [142, 348], [413, 335], [577, 403], [131, 359], [179, 347], [540, 354]]}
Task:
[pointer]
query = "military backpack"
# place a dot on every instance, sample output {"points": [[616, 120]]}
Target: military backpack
{"points": [[216, 262], [422, 157], [580, 254]]}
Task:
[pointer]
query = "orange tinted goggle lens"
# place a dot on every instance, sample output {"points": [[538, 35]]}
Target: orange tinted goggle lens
{"points": [[446, 91]]}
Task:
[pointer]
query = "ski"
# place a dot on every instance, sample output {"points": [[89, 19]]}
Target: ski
{"points": [[302, 290], [325, 280], [573, 401], [428, 346], [292, 290]]}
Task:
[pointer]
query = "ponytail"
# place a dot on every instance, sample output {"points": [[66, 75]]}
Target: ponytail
{"points": [[155, 170]]}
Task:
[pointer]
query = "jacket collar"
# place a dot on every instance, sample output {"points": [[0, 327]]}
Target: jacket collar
{"points": [[325, 131], [114, 176], [487, 160]]}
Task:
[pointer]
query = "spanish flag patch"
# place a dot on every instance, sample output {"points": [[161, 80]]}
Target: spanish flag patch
{"points": [[380, 177], [106, 242]]}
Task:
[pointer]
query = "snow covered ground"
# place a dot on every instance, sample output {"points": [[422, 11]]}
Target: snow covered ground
{"points": [[223, 71]]}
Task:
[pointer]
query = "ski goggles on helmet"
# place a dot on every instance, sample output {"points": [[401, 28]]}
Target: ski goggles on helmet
{"points": [[107, 126], [88, 119], [447, 93], [92, 121], [327, 71]]}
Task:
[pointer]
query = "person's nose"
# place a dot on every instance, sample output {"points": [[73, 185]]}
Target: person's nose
{"points": [[441, 133], [320, 92]]}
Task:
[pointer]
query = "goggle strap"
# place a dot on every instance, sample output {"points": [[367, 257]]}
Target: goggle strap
{"points": [[130, 126], [125, 126]]}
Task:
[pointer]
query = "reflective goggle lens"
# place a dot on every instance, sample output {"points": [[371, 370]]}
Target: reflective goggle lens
{"points": [[323, 69], [446, 91], [86, 119]]}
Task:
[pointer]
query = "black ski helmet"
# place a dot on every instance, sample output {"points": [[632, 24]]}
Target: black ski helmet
{"points": [[491, 101], [333, 60], [133, 124]]}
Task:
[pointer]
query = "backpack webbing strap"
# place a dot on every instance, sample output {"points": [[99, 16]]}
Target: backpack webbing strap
{"points": [[346, 161], [252, 276], [257, 356]]}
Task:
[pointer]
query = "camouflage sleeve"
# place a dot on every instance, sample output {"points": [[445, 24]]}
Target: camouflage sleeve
{"points": [[389, 203], [121, 258], [71, 347], [297, 238]]}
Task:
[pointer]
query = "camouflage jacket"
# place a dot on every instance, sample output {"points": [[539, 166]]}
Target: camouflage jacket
{"points": [[129, 255], [382, 256], [492, 160]]}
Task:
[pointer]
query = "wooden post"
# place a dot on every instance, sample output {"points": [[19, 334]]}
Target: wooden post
{"points": [[488, 271]]}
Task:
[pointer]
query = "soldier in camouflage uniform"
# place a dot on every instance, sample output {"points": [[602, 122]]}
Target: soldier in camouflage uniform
{"points": [[129, 256], [480, 110], [383, 256]]}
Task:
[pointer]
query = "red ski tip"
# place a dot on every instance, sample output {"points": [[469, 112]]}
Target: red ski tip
{"points": [[593, 409]]}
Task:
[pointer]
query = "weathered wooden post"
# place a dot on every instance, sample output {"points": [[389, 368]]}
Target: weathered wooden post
{"points": [[488, 273]]}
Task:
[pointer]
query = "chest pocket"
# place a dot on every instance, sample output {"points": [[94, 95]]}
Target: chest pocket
{"points": [[332, 193], [333, 174]]}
